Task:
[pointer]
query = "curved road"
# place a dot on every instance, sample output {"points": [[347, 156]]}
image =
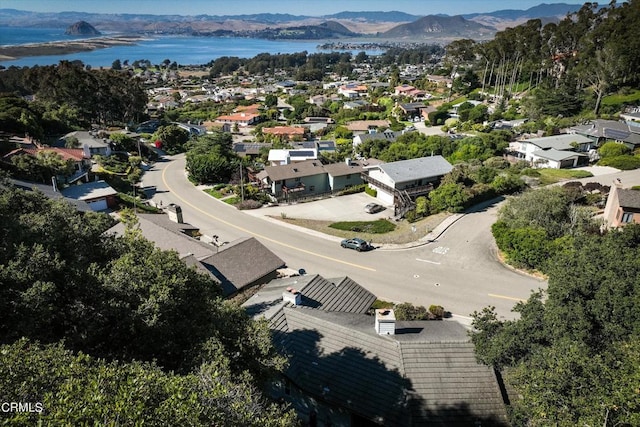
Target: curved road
{"points": [[458, 271]]}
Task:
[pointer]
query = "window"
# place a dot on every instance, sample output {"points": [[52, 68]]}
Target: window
{"points": [[627, 217], [298, 179], [312, 188]]}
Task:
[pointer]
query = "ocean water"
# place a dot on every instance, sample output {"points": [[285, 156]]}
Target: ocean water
{"points": [[184, 50]]}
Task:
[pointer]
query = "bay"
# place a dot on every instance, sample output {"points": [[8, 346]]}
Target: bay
{"points": [[185, 50]]}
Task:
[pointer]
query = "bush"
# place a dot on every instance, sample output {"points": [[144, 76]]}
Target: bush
{"points": [[621, 162], [371, 191], [411, 216], [613, 149], [380, 226], [437, 311], [249, 204], [408, 311], [353, 189]]}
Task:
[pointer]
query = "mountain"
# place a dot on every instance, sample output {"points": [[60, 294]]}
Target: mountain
{"points": [[440, 26], [82, 28], [393, 16], [543, 10], [324, 30]]}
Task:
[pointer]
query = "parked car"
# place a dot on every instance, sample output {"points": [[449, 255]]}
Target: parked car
{"points": [[355, 243], [373, 208]]}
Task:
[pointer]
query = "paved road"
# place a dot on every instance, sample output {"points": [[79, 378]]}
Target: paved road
{"points": [[458, 271]]}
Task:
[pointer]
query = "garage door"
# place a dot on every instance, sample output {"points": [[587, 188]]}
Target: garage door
{"points": [[98, 205]]}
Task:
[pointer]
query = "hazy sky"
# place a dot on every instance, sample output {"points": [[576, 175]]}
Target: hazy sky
{"points": [[295, 7]]}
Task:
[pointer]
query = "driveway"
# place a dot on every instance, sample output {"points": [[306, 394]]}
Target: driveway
{"points": [[342, 208]]}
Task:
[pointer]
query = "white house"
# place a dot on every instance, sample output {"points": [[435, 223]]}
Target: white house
{"points": [[557, 151], [412, 178]]}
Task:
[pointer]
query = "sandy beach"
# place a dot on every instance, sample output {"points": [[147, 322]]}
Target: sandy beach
{"points": [[8, 53]]}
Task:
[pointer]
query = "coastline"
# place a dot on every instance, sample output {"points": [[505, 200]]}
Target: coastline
{"points": [[8, 53]]}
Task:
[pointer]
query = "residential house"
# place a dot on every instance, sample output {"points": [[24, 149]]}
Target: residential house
{"points": [[623, 206], [557, 151], [51, 192], [399, 182], [241, 264], [287, 156], [348, 367], [285, 133], [440, 80], [233, 265], [601, 131], [77, 157], [89, 142], [243, 149], [403, 89], [98, 195], [356, 104], [348, 173], [387, 135], [240, 119], [294, 180], [412, 109], [353, 90], [365, 126]]}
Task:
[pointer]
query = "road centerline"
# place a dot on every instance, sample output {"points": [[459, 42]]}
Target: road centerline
{"points": [[244, 230]]}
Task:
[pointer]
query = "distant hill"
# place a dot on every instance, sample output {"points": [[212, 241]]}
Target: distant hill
{"points": [[440, 26], [543, 10], [393, 16], [82, 28], [283, 25]]}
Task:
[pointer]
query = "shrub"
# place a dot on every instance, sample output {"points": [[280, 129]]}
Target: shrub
{"points": [[408, 311], [371, 191], [380, 226], [437, 311], [249, 204], [411, 216], [621, 162], [613, 149], [353, 189]]}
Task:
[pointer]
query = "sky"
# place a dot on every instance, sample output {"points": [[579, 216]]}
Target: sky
{"points": [[294, 7]]}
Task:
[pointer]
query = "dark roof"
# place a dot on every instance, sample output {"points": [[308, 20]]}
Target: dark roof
{"points": [[168, 235], [412, 378], [249, 148], [294, 170], [629, 198], [426, 374], [241, 263]]}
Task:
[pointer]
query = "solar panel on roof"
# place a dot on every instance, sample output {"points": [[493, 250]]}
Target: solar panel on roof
{"points": [[616, 134]]}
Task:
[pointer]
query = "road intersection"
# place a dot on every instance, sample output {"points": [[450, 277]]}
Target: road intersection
{"points": [[459, 270]]}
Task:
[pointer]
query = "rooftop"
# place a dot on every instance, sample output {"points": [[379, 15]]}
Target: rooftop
{"points": [[414, 169]]}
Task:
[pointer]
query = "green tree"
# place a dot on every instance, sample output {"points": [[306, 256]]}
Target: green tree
{"points": [[173, 138], [448, 197], [613, 149], [211, 159]]}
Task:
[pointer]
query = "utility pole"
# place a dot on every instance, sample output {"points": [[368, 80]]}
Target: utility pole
{"points": [[241, 184]]}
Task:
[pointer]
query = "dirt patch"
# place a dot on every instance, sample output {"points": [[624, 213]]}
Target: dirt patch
{"points": [[405, 232]]}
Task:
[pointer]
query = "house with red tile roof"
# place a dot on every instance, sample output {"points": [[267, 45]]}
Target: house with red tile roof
{"points": [[241, 119], [285, 132]]}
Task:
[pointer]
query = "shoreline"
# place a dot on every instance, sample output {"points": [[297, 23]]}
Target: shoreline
{"points": [[9, 53]]}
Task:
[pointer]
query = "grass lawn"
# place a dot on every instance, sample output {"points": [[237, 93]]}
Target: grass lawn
{"points": [[402, 233], [214, 193], [617, 99], [380, 226], [550, 176]]}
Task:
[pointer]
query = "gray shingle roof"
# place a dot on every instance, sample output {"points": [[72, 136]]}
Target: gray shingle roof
{"points": [[398, 380], [414, 169], [629, 198], [426, 374], [294, 170], [559, 142], [167, 235], [241, 263], [48, 191], [89, 191]]}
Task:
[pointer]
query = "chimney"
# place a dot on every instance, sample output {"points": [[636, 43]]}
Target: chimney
{"points": [[175, 213], [292, 296], [385, 321], [348, 161]]}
